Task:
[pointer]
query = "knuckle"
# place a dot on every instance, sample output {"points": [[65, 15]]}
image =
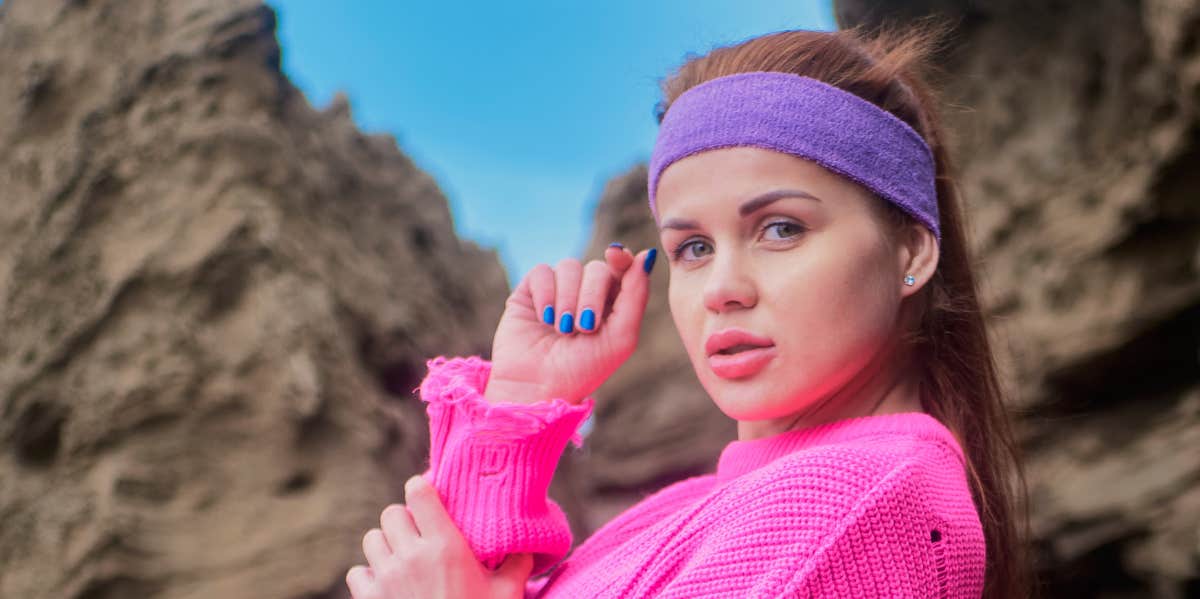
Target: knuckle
{"points": [[393, 574], [392, 511], [372, 535], [420, 491], [597, 268], [438, 549], [569, 263], [359, 580], [442, 551]]}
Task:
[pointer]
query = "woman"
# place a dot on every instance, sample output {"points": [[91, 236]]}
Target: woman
{"points": [[821, 285]]}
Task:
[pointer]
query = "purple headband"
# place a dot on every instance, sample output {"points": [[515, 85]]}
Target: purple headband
{"points": [[807, 118]]}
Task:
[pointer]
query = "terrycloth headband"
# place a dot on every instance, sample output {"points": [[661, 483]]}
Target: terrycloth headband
{"points": [[807, 118]]}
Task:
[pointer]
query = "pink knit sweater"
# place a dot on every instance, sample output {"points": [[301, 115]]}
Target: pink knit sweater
{"points": [[875, 506]]}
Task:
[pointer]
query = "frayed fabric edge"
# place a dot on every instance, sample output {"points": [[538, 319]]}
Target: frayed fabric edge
{"points": [[459, 382]]}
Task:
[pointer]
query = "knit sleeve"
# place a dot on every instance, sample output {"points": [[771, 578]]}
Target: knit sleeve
{"points": [[492, 463]]}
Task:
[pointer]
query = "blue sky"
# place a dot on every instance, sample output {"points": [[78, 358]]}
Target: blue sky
{"points": [[520, 110]]}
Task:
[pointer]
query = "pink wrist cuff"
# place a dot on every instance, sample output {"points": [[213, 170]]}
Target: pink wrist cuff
{"points": [[492, 463], [461, 381]]}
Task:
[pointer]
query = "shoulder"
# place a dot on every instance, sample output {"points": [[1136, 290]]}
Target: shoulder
{"points": [[832, 478], [898, 506], [806, 498]]}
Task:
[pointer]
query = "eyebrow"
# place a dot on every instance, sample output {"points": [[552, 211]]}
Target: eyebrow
{"points": [[749, 207]]}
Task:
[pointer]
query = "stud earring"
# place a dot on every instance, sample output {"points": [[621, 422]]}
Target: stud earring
{"points": [[909, 280]]}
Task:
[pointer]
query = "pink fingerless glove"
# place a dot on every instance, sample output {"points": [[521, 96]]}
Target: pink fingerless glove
{"points": [[492, 463]]}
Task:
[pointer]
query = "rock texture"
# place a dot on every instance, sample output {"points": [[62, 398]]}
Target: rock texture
{"points": [[1078, 136], [214, 304], [215, 301]]}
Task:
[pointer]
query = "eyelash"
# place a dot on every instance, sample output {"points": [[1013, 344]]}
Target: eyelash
{"points": [[677, 253]]}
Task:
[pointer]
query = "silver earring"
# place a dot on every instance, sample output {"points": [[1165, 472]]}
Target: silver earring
{"points": [[909, 280]]}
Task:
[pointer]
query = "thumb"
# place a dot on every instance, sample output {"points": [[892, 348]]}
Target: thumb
{"points": [[513, 573]]}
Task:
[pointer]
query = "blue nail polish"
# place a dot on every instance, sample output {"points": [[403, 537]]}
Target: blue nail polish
{"points": [[564, 323], [650, 256], [587, 320], [616, 244], [548, 315]]}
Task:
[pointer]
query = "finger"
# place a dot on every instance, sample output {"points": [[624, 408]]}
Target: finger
{"points": [[428, 511], [361, 581], [567, 274], [509, 579], [541, 288], [398, 526], [630, 304], [618, 258], [593, 294], [376, 548]]}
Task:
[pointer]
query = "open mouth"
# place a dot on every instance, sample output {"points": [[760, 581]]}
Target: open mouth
{"points": [[741, 360], [738, 348]]}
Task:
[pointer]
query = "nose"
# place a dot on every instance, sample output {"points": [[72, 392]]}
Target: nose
{"points": [[730, 284]]}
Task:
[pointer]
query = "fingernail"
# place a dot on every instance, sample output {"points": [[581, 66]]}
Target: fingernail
{"points": [[548, 315], [564, 324], [587, 319], [616, 244], [414, 483], [650, 256]]}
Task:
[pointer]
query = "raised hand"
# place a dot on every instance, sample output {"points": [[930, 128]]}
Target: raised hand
{"points": [[570, 357]]}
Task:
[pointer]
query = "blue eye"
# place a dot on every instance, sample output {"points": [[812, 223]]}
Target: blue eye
{"points": [[677, 253], [786, 224], [782, 225]]}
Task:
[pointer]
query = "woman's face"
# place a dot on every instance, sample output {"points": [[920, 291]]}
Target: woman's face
{"points": [[806, 268]]}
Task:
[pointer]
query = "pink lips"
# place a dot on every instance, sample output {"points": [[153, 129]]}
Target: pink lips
{"points": [[742, 363]]}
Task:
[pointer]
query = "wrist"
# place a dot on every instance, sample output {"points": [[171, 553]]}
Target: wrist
{"points": [[519, 392]]}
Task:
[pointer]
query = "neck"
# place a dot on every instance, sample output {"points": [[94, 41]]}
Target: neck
{"points": [[886, 385]]}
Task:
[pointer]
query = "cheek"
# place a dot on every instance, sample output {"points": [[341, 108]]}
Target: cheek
{"points": [[845, 292], [836, 308], [685, 298]]}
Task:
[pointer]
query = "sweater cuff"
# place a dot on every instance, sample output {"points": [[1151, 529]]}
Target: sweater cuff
{"points": [[492, 463]]}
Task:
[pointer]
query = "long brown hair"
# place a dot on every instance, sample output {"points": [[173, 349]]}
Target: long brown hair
{"points": [[959, 383]]}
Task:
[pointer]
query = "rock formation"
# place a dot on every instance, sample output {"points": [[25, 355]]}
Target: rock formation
{"points": [[215, 300], [214, 304]]}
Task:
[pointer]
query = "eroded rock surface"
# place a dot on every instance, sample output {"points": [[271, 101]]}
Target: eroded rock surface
{"points": [[215, 300], [214, 304]]}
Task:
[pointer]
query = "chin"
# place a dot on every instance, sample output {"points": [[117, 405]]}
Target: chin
{"points": [[748, 399]]}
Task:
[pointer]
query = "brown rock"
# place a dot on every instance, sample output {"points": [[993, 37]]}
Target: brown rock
{"points": [[214, 304]]}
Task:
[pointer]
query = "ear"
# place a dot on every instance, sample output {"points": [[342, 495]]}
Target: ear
{"points": [[918, 255]]}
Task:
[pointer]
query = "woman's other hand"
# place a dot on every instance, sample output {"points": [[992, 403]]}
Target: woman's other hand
{"points": [[566, 330], [420, 553]]}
